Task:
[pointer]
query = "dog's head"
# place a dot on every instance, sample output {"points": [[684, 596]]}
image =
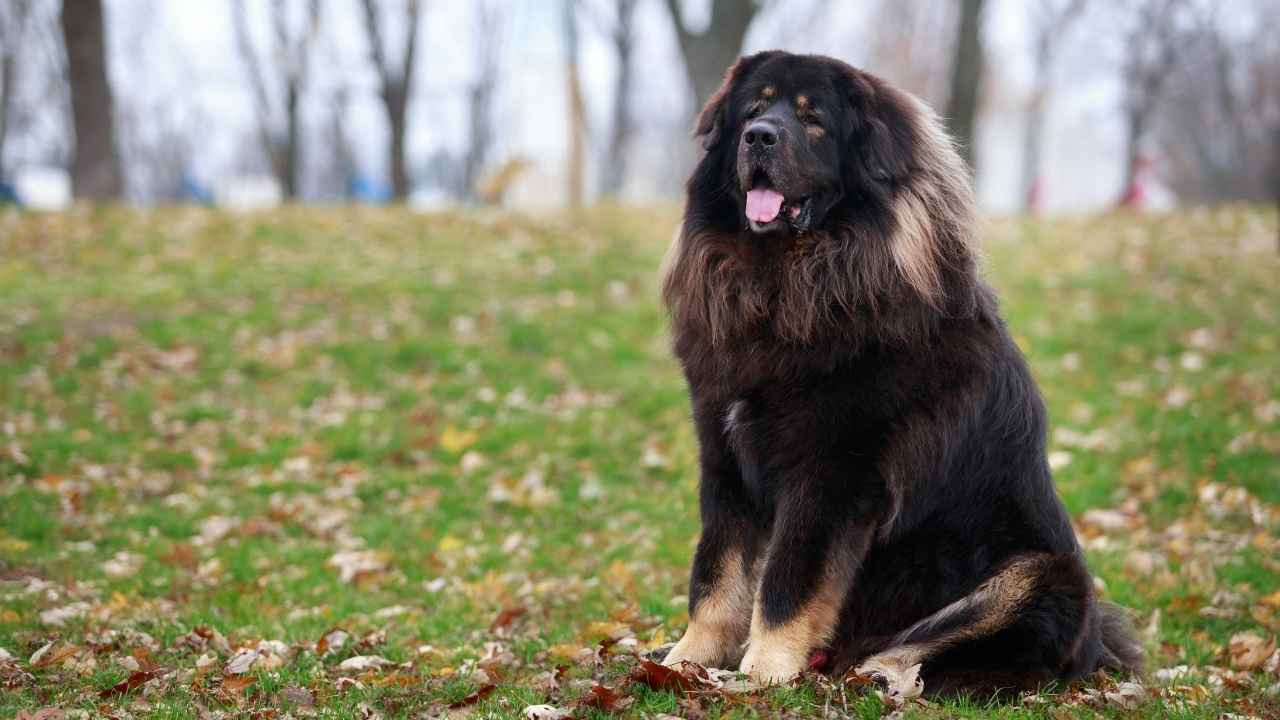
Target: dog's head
{"points": [[795, 136], [828, 201]]}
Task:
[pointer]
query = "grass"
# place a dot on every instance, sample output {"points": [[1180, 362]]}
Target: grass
{"points": [[200, 412]]}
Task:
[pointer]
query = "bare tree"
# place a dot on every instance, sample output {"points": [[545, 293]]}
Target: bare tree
{"points": [[395, 84], [1214, 130], [13, 28], [620, 32], [95, 168], [966, 79], [904, 47], [278, 100], [1150, 40], [709, 52], [1051, 20], [577, 124], [480, 96]]}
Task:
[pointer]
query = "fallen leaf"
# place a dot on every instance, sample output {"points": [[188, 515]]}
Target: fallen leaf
{"points": [[133, 682], [661, 677], [352, 564], [60, 616], [455, 441], [544, 712], [483, 692], [361, 663], [332, 641], [1249, 651], [49, 655], [298, 697], [42, 714], [506, 617], [604, 699], [241, 662]]}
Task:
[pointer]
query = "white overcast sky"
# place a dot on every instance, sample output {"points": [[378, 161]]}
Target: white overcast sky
{"points": [[184, 51]]}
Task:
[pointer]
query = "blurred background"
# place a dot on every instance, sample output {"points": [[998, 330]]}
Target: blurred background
{"points": [[1061, 105]]}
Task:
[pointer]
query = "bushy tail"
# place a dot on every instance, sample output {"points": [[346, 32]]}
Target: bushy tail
{"points": [[1121, 650]]}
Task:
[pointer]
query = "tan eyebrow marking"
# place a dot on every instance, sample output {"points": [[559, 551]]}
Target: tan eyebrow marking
{"points": [[802, 101], [767, 91]]}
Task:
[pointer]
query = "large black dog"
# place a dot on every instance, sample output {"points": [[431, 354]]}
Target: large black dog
{"points": [[874, 482]]}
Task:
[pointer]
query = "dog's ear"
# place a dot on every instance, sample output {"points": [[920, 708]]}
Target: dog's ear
{"points": [[882, 129], [711, 120]]}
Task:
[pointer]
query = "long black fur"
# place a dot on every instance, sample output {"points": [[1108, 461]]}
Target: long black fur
{"points": [[856, 395]]}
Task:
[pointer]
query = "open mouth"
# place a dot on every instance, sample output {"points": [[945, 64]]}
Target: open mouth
{"points": [[767, 208]]}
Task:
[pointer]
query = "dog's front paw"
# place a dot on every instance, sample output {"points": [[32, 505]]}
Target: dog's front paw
{"points": [[706, 646], [772, 665]]}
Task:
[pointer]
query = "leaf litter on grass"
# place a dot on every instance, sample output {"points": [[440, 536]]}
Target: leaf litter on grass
{"points": [[367, 463]]}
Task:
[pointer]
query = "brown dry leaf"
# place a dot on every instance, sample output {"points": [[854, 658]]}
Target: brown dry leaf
{"points": [[687, 678], [1249, 651], [506, 617], [298, 697], [133, 682], [41, 714], [483, 692], [354, 564], [233, 686], [604, 699], [50, 655]]}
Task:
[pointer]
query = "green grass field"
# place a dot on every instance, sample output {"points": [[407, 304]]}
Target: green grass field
{"points": [[237, 452]]}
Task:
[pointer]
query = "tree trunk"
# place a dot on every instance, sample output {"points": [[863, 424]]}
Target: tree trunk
{"points": [[577, 110], [1135, 129], [1275, 180], [95, 169], [292, 149], [708, 54], [966, 79], [1033, 142], [397, 106], [615, 168], [8, 72]]}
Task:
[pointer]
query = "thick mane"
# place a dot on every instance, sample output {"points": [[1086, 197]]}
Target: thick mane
{"points": [[886, 271]]}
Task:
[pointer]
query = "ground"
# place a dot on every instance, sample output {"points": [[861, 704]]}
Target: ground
{"points": [[362, 462]]}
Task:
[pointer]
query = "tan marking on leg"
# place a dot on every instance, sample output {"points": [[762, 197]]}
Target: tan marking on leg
{"points": [[777, 653], [719, 624]]}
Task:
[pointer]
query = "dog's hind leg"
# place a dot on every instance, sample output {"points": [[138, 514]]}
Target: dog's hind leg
{"points": [[1033, 621]]}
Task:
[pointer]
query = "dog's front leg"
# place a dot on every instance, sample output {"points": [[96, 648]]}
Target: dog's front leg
{"points": [[812, 558], [723, 580]]}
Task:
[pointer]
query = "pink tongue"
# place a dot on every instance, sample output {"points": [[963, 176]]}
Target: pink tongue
{"points": [[763, 204]]}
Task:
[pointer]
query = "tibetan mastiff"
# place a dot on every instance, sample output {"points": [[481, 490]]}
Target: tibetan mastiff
{"points": [[874, 488]]}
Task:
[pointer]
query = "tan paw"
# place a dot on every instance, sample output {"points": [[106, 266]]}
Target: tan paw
{"points": [[899, 673], [706, 647], [772, 664]]}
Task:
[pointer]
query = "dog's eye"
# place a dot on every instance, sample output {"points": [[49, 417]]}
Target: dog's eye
{"points": [[810, 119]]}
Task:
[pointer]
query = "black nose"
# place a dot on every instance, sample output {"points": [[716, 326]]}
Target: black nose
{"points": [[761, 132]]}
